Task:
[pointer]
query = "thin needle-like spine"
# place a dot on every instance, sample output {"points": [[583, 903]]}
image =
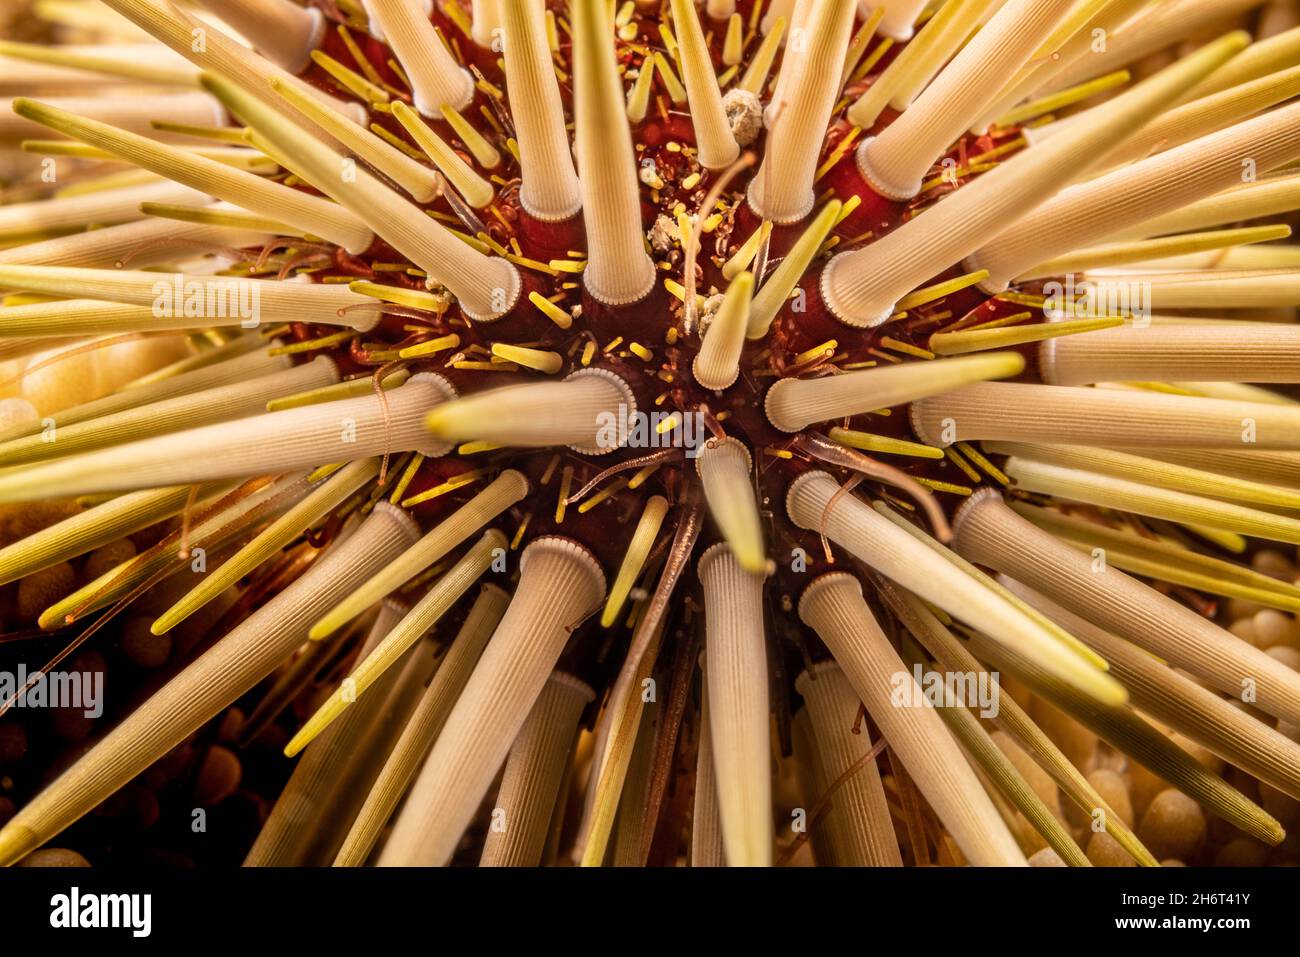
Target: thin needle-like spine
{"points": [[218, 404], [954, 657], [725, 468], [426, 613], [1120, 491], [112, 207], [985, 530], [502, 493], [590, 411], [88, 530], [1166, 476], [782, 190], [251, 301], [619, 270], [477, 191], [530, 784], [153, 241], [896, 161], [1185, 705], [436, 78], [859, 822], [242, 365], [1094, 210], [551, 191], [775, 292], [1224, 243], [424, 726], [134, 114], [717, 146], [281, 30], [794, 404], [1167, 561], [145, 62], [1132, 734], [560, 583], [834, 608], [313, 813], [230, 669], [318, 504], [638, 551], [212, 50], [417, 179], [862, 287], [1049, 414], [487, 287], [717, 364], [306, 437], [738, 695], [812, 503]]}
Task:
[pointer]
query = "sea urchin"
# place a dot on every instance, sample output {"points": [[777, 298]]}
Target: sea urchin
{"points": [[455, 386]]}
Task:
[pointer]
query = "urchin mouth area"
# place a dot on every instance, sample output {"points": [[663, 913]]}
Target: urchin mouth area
{"points": [[585, 345]]}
